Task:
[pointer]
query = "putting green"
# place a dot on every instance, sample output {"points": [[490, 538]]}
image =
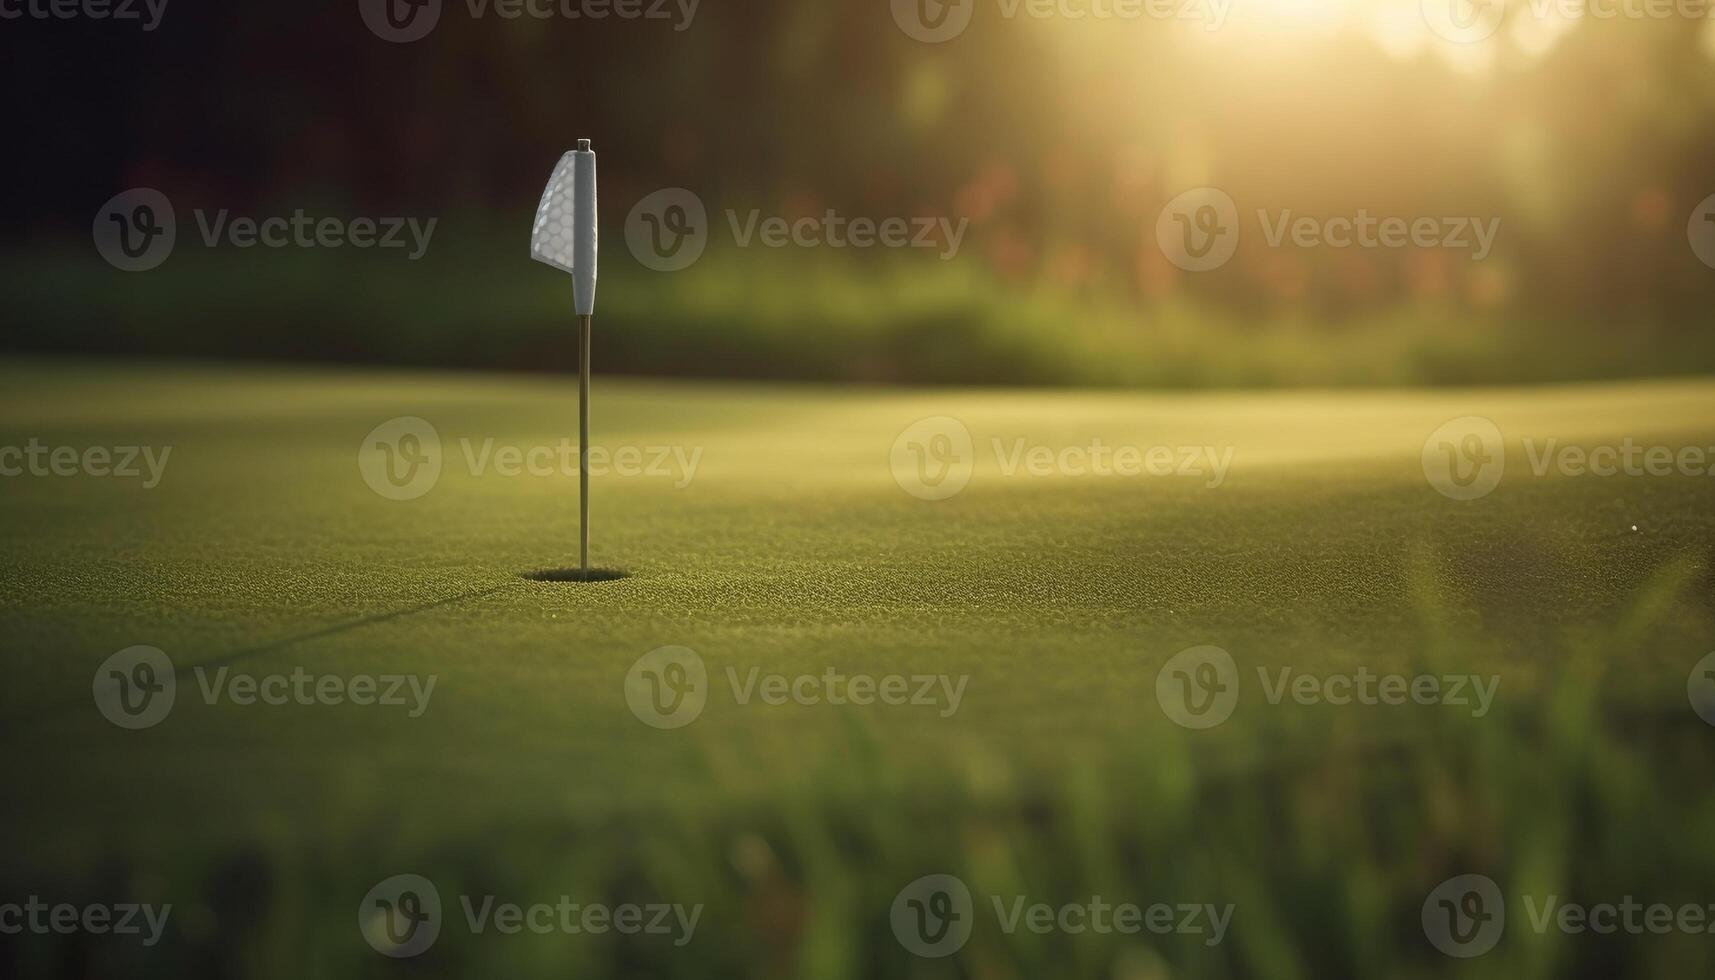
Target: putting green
{"points": [[1048, 597]]}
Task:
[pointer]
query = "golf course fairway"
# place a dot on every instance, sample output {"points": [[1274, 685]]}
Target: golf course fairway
{"points": [[1010, 637]]}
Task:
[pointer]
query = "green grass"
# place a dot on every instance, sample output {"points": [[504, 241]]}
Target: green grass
{"points": [[789, 314], [794, 550]]}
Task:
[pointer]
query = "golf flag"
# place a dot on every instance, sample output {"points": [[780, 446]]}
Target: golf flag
{"points": [[564, 233]]}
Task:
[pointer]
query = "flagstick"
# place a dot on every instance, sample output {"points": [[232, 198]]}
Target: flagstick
{"points": [[584, 446], [564, 236]]}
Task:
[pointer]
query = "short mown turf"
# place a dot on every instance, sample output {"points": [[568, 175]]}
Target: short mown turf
{"points": [[1048, 602]]}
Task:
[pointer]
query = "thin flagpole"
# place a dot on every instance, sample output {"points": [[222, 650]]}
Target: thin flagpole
{"points": [[584, 445]]}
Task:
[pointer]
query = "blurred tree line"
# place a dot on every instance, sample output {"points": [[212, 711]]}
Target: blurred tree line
{"points": [[1061, 141]]}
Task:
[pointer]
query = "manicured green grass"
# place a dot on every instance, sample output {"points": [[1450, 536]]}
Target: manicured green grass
{"points": [[792, 549]]}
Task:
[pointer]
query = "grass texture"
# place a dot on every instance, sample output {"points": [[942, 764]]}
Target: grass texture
{"points": [[792, 549]]}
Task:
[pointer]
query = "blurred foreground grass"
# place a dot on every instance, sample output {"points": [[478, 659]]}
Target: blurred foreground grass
{"points": [[1326, 845]]}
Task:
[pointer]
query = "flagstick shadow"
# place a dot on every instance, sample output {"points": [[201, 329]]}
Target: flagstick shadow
{"points": [[337, 628], [16, 722]]}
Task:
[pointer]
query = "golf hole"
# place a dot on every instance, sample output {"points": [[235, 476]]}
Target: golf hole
{"points": [[576, 575]]}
